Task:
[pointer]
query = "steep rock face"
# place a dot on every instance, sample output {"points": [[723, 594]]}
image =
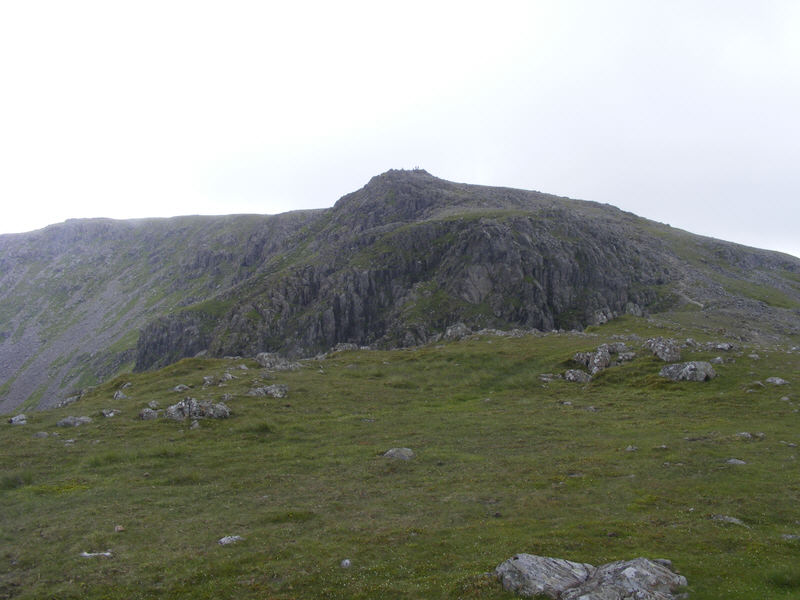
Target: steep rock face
{"points": [[409, 254]]}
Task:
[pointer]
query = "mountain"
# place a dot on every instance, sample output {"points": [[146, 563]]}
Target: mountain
{"points": [[391, 264]]}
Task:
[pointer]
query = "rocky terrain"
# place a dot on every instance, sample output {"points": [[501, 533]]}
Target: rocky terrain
{"points": [[390, 265]]}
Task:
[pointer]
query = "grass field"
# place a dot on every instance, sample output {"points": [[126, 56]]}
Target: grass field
{"points": [[505, 463]]}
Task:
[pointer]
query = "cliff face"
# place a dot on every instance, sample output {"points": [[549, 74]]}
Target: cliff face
{"points": [[391, 264]]}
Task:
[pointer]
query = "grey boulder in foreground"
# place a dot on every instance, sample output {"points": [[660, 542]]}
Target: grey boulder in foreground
{"points": [[529, 575]]}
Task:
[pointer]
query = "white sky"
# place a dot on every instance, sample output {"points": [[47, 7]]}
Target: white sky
{"points": [[686, 112]]}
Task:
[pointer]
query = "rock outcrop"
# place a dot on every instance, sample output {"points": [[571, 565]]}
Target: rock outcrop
{"points": [[689, 371], [665, 349], [640, 579], [191, 408]]}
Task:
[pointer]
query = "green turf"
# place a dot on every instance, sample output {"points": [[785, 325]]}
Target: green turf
{"points": [[505, 463]]}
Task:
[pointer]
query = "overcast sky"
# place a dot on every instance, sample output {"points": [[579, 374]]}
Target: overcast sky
{"points": [[686, 112]]}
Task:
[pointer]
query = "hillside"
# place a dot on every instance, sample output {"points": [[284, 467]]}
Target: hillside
{"points": [[509, 458], [390, 265]]}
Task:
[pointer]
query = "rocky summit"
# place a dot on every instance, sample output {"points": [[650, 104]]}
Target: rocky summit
{"points": [[393, 264]]}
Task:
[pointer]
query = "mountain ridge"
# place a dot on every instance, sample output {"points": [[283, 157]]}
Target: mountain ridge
{"points": [[391, 264]]}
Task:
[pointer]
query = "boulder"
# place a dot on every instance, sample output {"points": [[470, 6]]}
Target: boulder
{"points": [[666, 349], [19, 420], [689, 371], [191, 408], [274, 362], [276, 390], [600, 359], [399, 453], [148, 414], [577, 376], [457, 332], [73, 421], [530, 575], [641, 578]]}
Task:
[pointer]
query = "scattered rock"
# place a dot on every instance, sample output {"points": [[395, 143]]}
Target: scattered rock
{"points": [[631, 448], [457, 332], [790, 537], [344, 347], [746, 435], [227, 377], [600, 359], [776, 381], [399, 453], [229, 539], [754, 356], [180, 388], [689, 371], [153, 404], [110, 412], [191, 408], [666, 349], [729, 519], [717, 360], [20, 419], [274, 362], [73, 421], [41, 434], [120, 395], [641, 578], [276, 390], [148, 414], [735, 461], [208, 380], [724, 346], [548, 377], [577, 376]]}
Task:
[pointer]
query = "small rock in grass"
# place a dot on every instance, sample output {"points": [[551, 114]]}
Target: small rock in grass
{"points": [[148, 414], [109, 412], [120, 395], [631, 448], [19, 420], [399, 453], [73, 421], [776, 381], [229, 539], [180, 388], [735, 461], [729, 519], [153, 404], [41, 434], [345, 564]]}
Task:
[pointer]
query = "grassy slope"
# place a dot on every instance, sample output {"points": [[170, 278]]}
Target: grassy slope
{"points": [[503, 466]]}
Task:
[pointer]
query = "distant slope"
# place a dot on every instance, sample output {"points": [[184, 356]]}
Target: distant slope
{"points": [[393, 263]]}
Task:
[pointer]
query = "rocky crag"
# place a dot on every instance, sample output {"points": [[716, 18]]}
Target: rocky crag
{"points": [[392, 264]]}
